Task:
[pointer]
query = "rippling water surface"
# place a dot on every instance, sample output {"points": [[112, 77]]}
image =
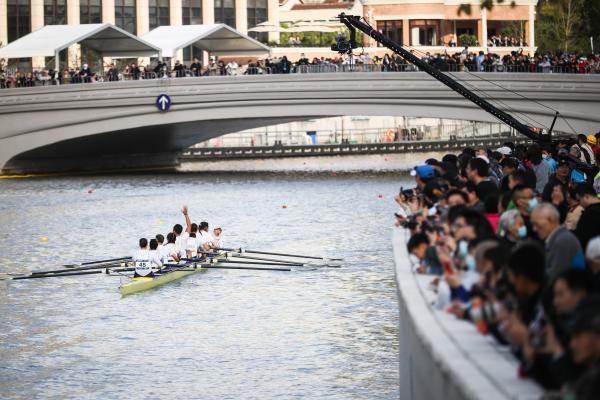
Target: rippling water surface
{"points": [[322, 334]]}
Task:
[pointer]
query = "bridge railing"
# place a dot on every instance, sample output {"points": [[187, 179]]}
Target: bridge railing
{"points": [[29, 78]]}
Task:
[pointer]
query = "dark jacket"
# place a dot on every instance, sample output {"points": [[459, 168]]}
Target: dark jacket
{"points": [[563, 251], [588, 225]]}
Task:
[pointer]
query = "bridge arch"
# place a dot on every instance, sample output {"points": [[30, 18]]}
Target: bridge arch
{"points": [[116, 124]]}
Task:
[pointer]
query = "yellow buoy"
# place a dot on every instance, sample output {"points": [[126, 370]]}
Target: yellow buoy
{"points": [[44, 239]]}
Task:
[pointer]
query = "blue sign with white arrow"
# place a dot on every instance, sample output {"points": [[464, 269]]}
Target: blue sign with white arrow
{"points": [[163, 102]]}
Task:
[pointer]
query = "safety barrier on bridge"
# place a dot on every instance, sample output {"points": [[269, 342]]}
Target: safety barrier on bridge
{"points": [[280, 151], [16, 79]]}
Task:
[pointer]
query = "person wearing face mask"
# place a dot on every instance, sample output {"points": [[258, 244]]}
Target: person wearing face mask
{"points": [[512, 228], [461, 285], [547, 157], [524, 201], [562, 248]]}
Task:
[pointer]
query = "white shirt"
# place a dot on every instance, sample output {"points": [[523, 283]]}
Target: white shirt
{"points": [[169, 250], [191, 247], [203, 238], [217, 241], [144, 261], [181, 241]]}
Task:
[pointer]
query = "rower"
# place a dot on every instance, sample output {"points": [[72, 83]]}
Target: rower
{"points": [[161, 241], [204, 236], [155, 258], [144, 260], [170, 253], [191, 248], [217, 240], [194, 228], [181, 236]]}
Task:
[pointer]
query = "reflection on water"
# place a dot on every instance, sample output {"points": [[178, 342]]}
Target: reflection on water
{"points": [[328, 333]]}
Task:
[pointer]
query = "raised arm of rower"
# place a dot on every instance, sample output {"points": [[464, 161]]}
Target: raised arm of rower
{"points": [[188, 222]]}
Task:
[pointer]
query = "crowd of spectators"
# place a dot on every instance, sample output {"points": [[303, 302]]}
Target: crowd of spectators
{"points": [[512, 236], [497, 41], [505, 41], [514, 62], [459, 61]]}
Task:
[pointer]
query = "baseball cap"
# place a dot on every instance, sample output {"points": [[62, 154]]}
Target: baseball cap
{"points": [[504, 150], [423, 171]]}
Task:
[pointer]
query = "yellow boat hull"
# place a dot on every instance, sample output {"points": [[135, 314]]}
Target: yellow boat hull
{"points": [[141, 284]]}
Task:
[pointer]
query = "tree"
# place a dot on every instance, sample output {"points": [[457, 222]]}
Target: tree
{"points": [[591, 16], [559, 25]]}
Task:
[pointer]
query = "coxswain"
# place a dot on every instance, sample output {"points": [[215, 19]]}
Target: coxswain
{"points": [[144, 260], [217, 239]]}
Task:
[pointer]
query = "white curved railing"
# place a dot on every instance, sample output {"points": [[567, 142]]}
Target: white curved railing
{"points": [[442, 357]]}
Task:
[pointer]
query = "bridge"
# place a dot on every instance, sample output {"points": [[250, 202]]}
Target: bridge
{"points": [[116, 125]]}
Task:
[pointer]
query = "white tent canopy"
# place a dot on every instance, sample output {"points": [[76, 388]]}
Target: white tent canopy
{"points": [[106, 39], [217, 39]]}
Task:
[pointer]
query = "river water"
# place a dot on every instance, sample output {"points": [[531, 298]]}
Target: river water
{"points": [[225, 334]]}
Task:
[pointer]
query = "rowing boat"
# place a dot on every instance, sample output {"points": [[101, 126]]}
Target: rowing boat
{"points": [[140, 284]]}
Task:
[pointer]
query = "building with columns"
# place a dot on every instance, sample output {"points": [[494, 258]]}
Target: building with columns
{"points": [[437, 22], [429, 24], [20, 17]]}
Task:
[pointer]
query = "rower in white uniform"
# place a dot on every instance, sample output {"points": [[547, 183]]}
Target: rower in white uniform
{"points": [[204, 236], [216, 241], [191, 248], [170, 252], [181, 235], [161, 241], [144, 260], [155, 253]]}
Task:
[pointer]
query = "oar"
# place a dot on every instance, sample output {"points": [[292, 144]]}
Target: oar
{"points": [[54, 271], [241, 250], [231, 267], [285, 262], [237, 255], [259, 263], [108, 260], [36, 276], [97, 262]]}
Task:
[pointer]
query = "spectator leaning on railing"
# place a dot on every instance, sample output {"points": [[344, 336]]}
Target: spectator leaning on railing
{"points": [[507, 261]]}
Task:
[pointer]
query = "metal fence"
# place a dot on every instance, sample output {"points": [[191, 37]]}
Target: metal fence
{"points": [[17, 79]]}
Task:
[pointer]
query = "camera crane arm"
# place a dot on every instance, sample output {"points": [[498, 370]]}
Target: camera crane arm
{"points": [[354, 22]]}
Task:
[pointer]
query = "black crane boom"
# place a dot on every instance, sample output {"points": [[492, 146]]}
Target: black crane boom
{"points": [[354, 22]]}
